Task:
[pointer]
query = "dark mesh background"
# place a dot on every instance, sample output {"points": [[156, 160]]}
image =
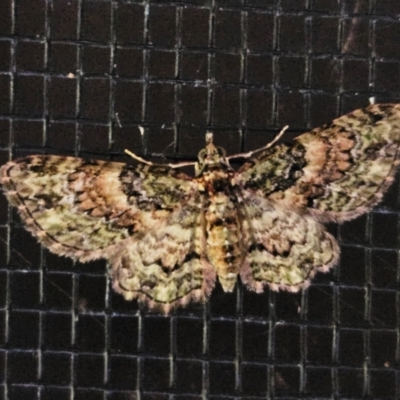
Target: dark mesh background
{"points": [[81, 77]]}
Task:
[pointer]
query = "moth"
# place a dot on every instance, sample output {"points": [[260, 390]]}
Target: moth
{"points": [[169, 237]]}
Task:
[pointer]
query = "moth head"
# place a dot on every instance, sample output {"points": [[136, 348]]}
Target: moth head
{"points": [[211, 156]]}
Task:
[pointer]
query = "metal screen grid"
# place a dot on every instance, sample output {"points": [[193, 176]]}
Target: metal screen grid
{"points": [[81, 77]]}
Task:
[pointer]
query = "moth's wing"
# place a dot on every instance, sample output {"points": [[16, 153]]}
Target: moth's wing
{"points": [[80, 208], [338, 171], [284, 248], [166, 266]]}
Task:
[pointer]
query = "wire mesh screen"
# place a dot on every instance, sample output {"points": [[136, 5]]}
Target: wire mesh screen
{"points": [[90, 78]]}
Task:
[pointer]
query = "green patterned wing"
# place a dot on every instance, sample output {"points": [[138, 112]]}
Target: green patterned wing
{"points": [[284, 248], [338, 171], [79, 208], [144, 219], [167, 266]]}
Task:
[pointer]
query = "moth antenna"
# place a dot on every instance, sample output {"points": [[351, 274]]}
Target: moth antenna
{"points": [[137, 158], [267, 146], [142, 160]]}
